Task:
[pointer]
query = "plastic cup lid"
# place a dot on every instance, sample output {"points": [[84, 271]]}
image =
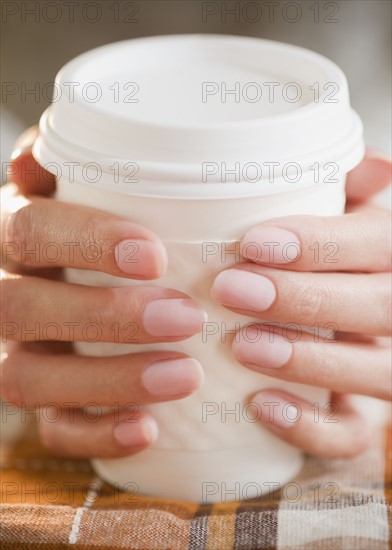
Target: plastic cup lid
{"points": [[185, 109]]}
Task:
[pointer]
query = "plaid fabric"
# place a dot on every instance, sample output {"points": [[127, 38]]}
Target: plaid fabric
{"points": [[53, 503]]}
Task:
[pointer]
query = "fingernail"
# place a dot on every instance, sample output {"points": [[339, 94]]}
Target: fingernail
{"points": [[134, 434], [173, 317], [276, 411], [141, 257], [261, 349], [270, 245], [243, 290], [173, 377]]}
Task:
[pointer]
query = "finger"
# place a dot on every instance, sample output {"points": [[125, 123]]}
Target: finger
{"points": [[353, 242], [93, 434], [311, 359], [371, 176], [34, 379], [24, 170], [339, 301], [333, 430], [37, 309], [41, 233]]}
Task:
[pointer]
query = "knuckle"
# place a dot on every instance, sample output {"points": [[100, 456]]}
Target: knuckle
{"points": [[384, 307], [108, 314], [91, 240], [28, 230], [98, 306], [126, 304], [24, 228], [12, 308], [319, 368], [87, 229], [309, 301]]}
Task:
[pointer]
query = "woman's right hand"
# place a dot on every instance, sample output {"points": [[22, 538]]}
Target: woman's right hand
{"points": [[40, 236]]}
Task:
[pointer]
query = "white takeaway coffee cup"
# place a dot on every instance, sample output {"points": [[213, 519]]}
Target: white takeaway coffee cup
{"points": [[199, 138]]}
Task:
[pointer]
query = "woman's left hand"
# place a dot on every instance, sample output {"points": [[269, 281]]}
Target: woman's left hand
{"points": [[332, 274]]}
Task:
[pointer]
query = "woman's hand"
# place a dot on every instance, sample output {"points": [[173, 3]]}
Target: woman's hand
{"points": [[331, 274], [39, 236]]}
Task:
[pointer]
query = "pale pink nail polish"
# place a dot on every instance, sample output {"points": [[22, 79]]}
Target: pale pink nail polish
{"points": [[276, 411], [173, 317], [243, 290], [271, 245], [173, 377], [134, 434], [262, 349], [141, 257]]}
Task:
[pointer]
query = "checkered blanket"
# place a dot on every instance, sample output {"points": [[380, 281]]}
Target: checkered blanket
{"points": [[51, 503]]}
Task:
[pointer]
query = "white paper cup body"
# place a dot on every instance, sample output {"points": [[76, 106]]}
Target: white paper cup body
{"points": [[209, 448]]}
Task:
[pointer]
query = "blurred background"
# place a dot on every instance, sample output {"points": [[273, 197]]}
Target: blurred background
{"points": [[40, 36]]}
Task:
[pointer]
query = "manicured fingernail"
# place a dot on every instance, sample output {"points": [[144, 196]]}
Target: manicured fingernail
{"points": [[243, 290], [274, 410], [173, 377], [261, 349], [134, 434], [270, 245], [141, 257], [173, 317]]}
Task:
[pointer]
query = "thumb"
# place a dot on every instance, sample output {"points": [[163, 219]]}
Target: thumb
{"points": [[370, 176], [24, 170]]}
